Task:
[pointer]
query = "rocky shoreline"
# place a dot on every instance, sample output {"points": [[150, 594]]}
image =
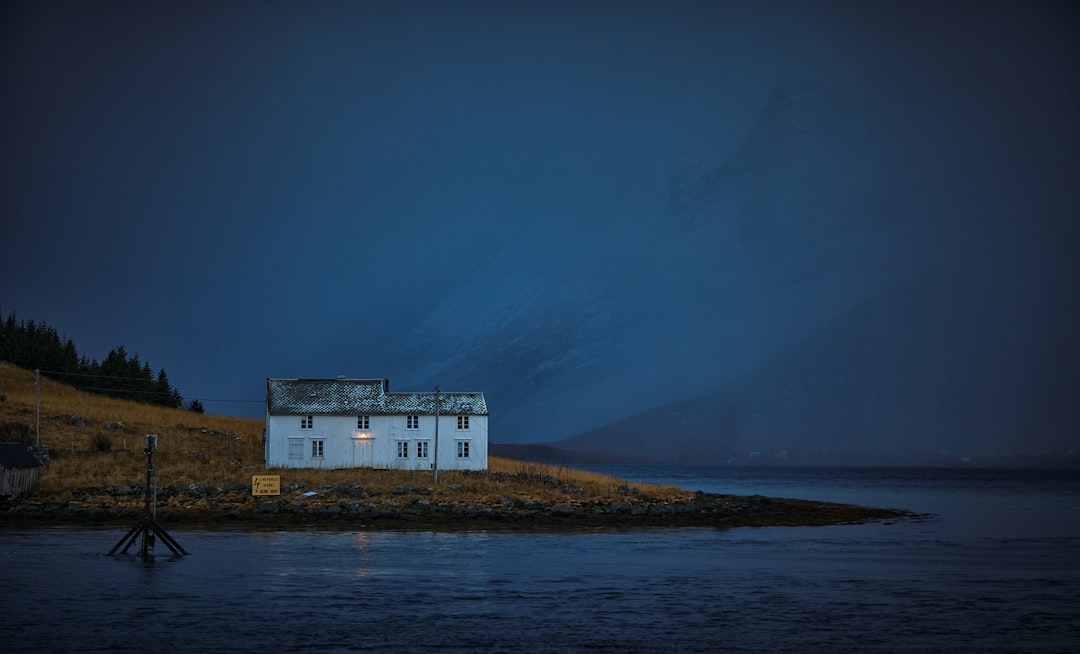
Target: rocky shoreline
{"points": [[421, 507]]}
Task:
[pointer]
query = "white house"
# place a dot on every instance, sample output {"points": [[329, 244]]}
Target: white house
{"points": [[359, 423]]}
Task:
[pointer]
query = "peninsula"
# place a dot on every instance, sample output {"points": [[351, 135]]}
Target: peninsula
{"points": [[204, 464]]}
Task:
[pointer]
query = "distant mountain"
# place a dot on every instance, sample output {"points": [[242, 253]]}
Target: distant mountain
{"points": [[675, 288], [824, 287], [701, 430], [905, 373]]}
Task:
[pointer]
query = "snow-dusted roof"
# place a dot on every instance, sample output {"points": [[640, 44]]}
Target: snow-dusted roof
{"points": [[345, 397]]}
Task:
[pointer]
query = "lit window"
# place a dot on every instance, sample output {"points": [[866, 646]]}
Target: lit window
{"points": [[412, 422], [317, 448], [362, 422], [421, 449], [463, 422], [306, 422], [296, 448], [403, 449], [463, 449]]}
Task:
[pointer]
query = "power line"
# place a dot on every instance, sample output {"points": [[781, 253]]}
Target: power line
{"points": [[203, 399], [140, 379], [85, 374], [119, 390]]}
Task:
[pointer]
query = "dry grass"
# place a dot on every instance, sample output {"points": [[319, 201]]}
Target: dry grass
{"points": [[87, 452], [595, 484], [219, 450]]}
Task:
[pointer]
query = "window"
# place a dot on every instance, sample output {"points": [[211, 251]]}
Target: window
{"points": [[463, 449], [306, 422], [421, 449], [463, 422], [296, 448], [317, 448], [412, 422], [403, 449], [362, 422]]}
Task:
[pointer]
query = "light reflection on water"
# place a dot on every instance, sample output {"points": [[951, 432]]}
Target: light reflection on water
{"points": [[363, 541], [922, 586]]}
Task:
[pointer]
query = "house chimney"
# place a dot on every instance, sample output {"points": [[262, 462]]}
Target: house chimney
{"points": [[386, 386]]}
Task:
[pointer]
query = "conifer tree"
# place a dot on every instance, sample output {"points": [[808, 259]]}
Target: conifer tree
{"points": [[38, 346]]}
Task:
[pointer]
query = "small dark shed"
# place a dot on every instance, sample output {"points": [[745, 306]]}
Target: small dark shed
{"points": [[19, 470]]}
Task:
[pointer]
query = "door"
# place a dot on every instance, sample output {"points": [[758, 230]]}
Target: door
{"points": [[362, 449]]}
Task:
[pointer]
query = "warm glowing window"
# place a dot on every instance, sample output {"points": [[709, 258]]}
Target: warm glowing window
{"points": [[463, 422]]}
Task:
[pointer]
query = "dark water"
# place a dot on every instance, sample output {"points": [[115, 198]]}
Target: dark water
{"points": [[998, 570]]}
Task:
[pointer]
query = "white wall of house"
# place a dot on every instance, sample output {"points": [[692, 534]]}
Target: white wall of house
{"points": [[387, 442]]}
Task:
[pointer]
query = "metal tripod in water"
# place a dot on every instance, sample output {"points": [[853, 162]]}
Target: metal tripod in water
{"points": [[148, 526]]}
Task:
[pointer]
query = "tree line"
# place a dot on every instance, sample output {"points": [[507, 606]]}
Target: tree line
{"points": [[38, 346]]}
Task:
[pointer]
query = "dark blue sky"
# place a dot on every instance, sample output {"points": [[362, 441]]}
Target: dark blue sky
{"points": [[582, 209]]}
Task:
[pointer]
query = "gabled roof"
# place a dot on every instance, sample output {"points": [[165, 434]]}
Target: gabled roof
{"points": [[15, 455], [345, 397]]}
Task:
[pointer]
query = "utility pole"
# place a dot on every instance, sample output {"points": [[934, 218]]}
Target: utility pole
{"points": [[37, 408], [436, 434]]}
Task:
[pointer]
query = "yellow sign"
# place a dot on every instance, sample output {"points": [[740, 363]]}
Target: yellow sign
{"points": [[265, 485]]}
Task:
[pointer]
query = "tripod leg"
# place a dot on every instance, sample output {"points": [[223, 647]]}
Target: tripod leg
{"points": [[140, 528], [169, 541], [130, 533]]}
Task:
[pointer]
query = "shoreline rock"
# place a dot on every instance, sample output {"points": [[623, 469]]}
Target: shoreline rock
{"points": [[371, 510]]}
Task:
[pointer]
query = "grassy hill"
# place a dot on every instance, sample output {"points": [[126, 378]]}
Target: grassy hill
{"points": [[97, 442]]}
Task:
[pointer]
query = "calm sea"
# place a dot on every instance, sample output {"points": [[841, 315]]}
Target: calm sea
{"points": [[996, 570]]}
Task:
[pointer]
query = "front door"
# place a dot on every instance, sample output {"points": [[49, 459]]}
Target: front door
{"points": [[362, 449]]}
